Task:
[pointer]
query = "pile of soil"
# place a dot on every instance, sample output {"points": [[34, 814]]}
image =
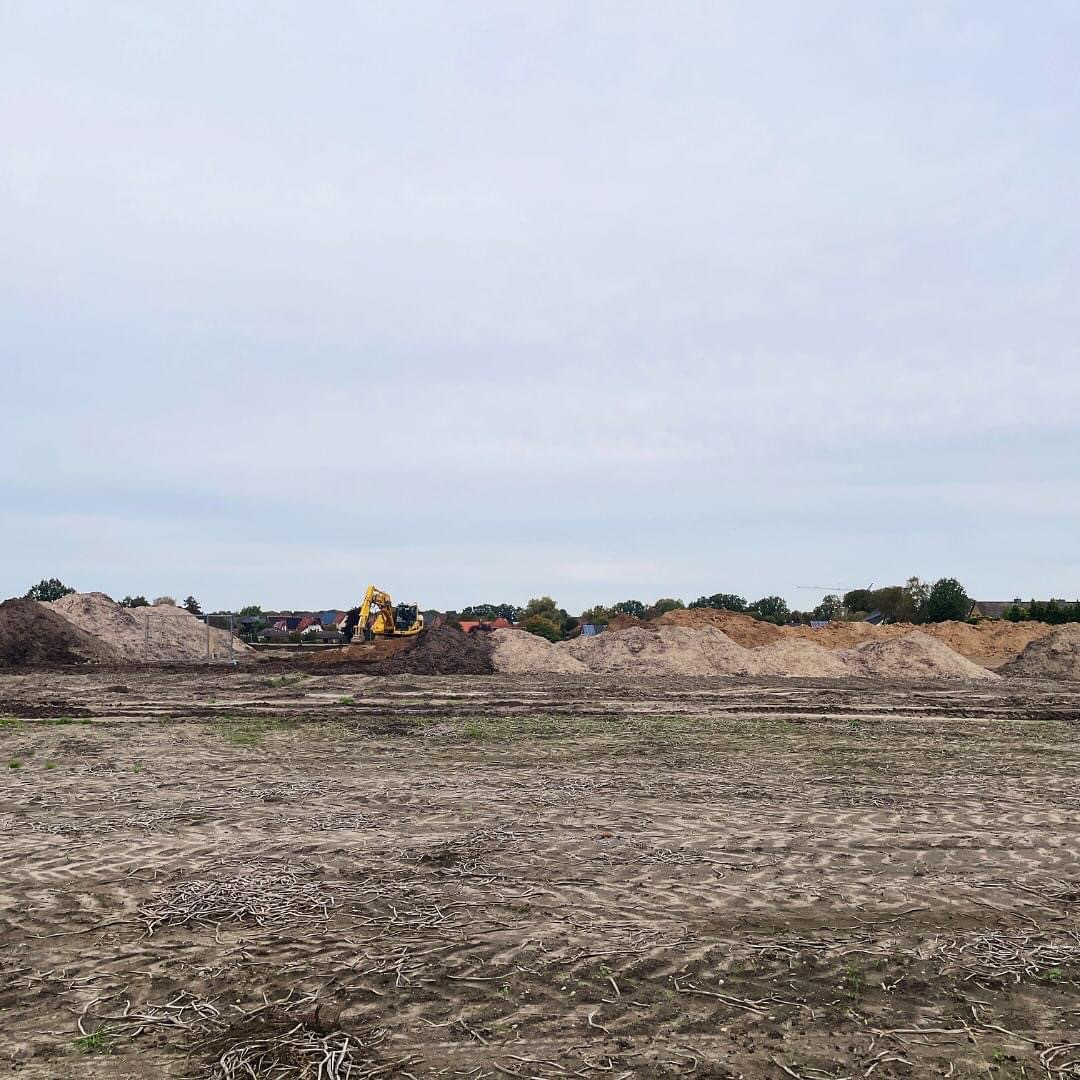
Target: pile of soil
{"points": [[517, 652], [442, 650], [624, 622], [794, 657], [992, 642], [368, 652], [31, 634], [174, 634], [665, 650], [742, 629], [1054, 656], [914, 656]]}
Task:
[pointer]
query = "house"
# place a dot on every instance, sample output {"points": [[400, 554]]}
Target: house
{"points": [[994, 609], [469, 625]]}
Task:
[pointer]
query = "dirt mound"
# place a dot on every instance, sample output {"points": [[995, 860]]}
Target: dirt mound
{"points": [[1054, 656], [370, 652], [442, 650], [624, 622], [992, 642], [795, 657], [914, 656], [158, 633], [667, 650], [742, 629], [31, 634], [517, 652], [847, 635]]}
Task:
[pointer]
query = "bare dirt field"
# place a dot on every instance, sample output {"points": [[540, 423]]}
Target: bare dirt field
{"points": [[224, 874]]}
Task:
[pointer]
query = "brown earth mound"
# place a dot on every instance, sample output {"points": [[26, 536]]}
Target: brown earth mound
{"points": [[157, 633], [517, 652], [992, 642], [368, 652], [443, 650], [667, 650], [744, 630], [31, 634], [914, 656], [624, 622], [1055, 656]]}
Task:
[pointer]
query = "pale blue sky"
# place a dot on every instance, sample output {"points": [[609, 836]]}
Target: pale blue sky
{"points": [[485, 300]]}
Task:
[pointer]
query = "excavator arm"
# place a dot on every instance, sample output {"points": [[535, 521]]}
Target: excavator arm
{"points": [[388, 620]]}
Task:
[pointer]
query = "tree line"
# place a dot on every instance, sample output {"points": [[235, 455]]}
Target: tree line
{"points": [[915, 601]]}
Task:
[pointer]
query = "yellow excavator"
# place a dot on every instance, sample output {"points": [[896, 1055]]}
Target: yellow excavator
{"points": [[379, 616]]}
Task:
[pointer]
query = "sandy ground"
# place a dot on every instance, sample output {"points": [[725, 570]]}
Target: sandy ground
{"points": [[565, 877]]}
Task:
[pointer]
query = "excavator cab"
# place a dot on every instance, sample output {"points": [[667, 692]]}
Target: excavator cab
{"points": [[405, 616]]}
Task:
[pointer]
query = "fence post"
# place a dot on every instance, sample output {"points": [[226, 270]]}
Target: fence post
{"points": [[146, 639], [208, 639]]}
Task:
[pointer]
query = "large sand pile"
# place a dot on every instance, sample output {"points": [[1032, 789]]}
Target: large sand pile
{"points": [[914, 656], [32, 634], [742, 629], [157, 633], [1055, 656], [517, 652], [992, 642], [795, 657], [666, 650]]}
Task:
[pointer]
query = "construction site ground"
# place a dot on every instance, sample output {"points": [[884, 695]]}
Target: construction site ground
{"points": [[536, 877]]}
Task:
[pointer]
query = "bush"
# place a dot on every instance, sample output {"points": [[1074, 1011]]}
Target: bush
{"points": [[721, 602], [48, 589], [135, 601], [164, 601], [772, 609], [947, 600], [543, 627]]}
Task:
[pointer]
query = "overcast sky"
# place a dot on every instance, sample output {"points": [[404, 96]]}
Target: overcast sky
{"points": [[479, 301]]}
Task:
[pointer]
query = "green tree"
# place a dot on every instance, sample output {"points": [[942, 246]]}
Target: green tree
{"points": [[662, 607], [191, 605], [598, 615], [947, 600], [771, 609], [859, 600], [489, 612], [544, 626], [540, 605], [721, 601], [135, 601], [48, 589], [630, 607], [916, 597], [545, 608], [831, 607], [164, 601]]}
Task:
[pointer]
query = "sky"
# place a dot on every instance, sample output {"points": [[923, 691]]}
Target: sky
{"points": [[489, 300]]}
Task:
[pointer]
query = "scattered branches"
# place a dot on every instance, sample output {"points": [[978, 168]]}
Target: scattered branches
{"points": [[1008, 955], [257, 898]]}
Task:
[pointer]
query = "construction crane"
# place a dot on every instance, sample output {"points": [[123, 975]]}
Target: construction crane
{"points": [[838, 589], [379, 616]]}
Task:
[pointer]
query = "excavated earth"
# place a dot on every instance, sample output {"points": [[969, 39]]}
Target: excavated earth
{"points": [[31, 635], [542, 876]]}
